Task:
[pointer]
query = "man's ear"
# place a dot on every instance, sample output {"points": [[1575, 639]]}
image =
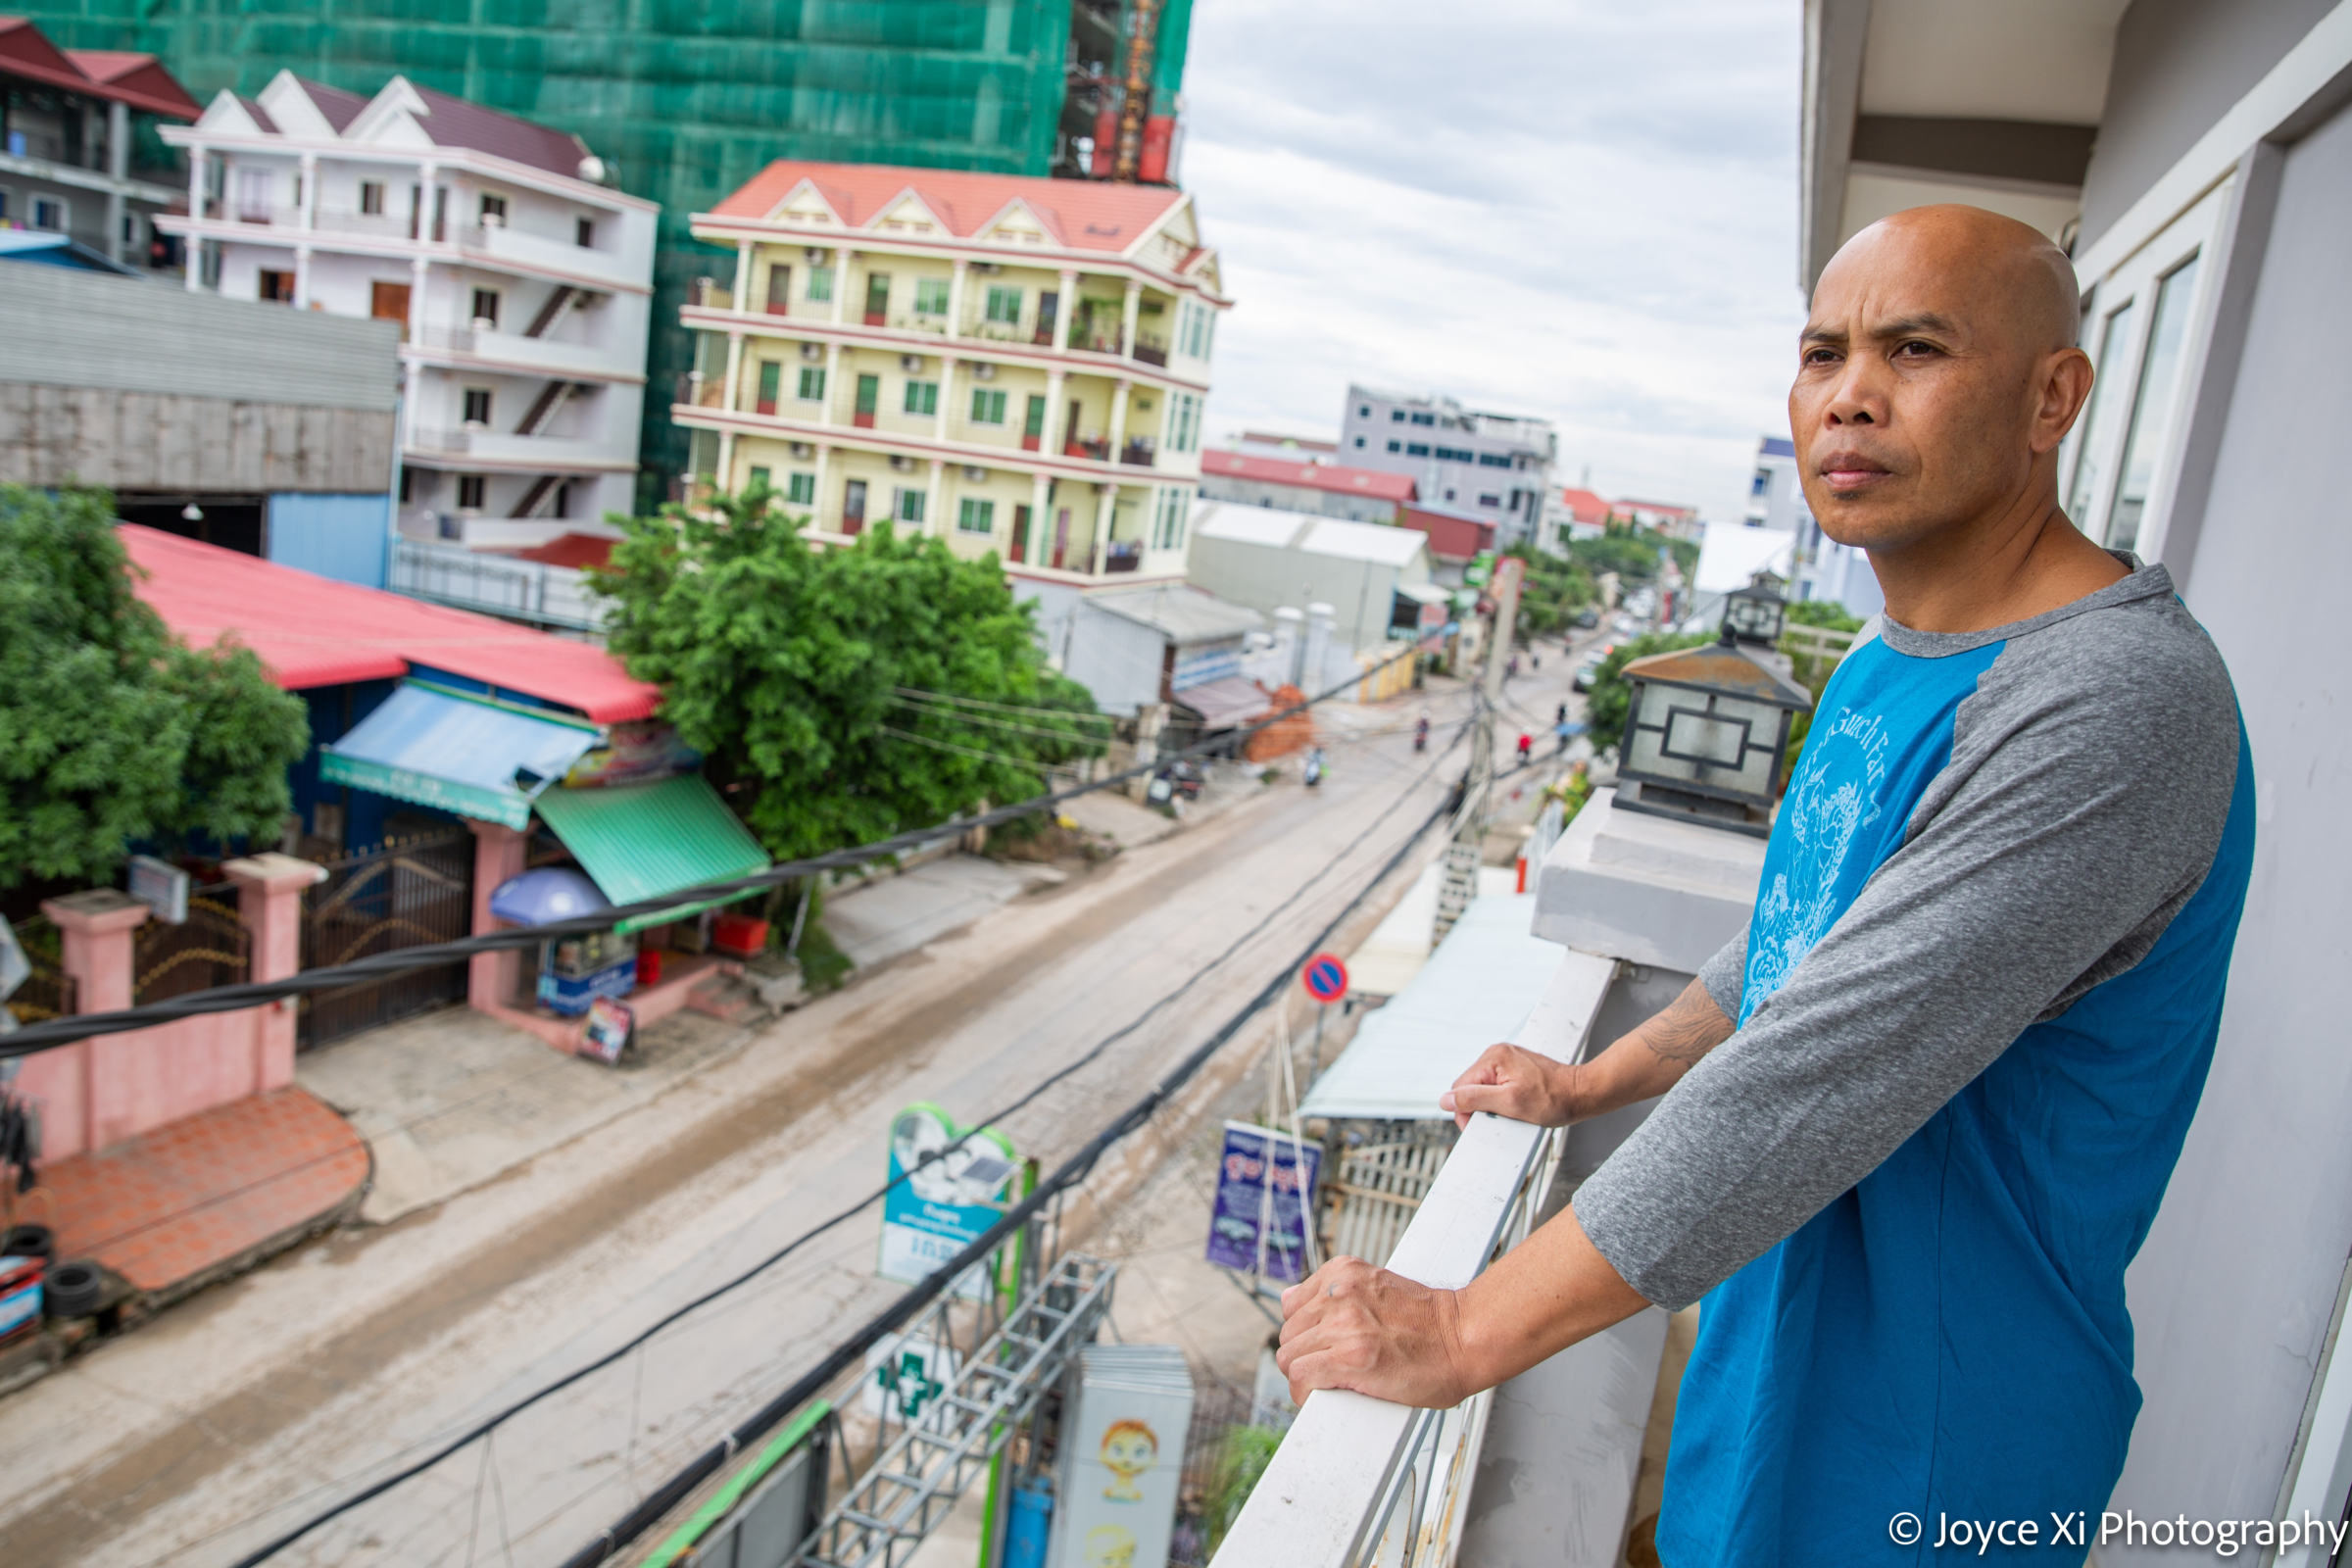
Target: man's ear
{"points": [[2063, 389]]}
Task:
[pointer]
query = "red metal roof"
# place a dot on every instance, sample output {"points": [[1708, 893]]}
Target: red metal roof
{"points": [[455, 122], [133, 79], [314, 631], [1079, 214], [1310, 475], [571, 550], [1586, 506], [1450, 538]]}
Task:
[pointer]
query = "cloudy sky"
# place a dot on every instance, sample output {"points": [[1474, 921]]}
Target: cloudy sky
{"points": [[1579, 208]]}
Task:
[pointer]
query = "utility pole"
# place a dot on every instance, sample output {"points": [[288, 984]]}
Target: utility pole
{"points": [[1466, 853]]}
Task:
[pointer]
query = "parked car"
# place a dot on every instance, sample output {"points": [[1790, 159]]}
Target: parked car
{"points": [[1586, 673], [1587, 619]]}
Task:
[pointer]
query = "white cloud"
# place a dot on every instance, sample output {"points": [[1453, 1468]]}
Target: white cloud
{"points": [[1547, 206]]}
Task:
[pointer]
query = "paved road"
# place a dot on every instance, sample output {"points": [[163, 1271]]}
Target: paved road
{"points": [[201, 1434]]}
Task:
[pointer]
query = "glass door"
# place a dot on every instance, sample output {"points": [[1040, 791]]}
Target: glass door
{"points": [[877, 299], [869, 396]]}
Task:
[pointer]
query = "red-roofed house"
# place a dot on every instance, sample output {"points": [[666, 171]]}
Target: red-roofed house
{"points": [[73, 134], [1361, 495], [1014, 365], [1589, 515], [522, 285]]}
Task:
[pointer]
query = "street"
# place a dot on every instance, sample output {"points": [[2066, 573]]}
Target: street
{"points": [[242, 1411]]}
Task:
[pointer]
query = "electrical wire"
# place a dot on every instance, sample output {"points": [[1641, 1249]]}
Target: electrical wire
{"points": [[922, 1294], [917, 694], [53, 1032]]}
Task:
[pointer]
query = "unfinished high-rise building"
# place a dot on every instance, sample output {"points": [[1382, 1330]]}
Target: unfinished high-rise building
{"points": [[685, 103]]}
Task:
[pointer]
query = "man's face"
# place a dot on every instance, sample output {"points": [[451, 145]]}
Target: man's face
{"points": [[1917, 404]]}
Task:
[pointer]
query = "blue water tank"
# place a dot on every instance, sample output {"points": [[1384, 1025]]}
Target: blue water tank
{"points": [[1026, 1531]]}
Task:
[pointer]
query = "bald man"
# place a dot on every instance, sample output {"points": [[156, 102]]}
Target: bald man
{"points": [[1919, 1115]]}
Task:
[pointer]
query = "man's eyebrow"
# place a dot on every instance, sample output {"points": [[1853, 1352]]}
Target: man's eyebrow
{"points": [[1820, 334]]}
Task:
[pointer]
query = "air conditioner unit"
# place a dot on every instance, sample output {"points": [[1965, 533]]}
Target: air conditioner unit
{"points": [[802, 450], [973, 475], [982, 370], [910, 363], [817, 255], [987, 268], [812, 350], [902, 462]]}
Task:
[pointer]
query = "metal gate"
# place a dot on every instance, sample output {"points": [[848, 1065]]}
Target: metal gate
{"points": [[210, 947], [402, 894]]}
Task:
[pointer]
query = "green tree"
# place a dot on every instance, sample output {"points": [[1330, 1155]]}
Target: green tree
{"points": [[1605, 707], [1550, 593], [111, 728], [841, 695], [1828, 613], [1633, 554]]}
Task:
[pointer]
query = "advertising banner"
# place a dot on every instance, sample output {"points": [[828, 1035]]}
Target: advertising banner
{"points": [[1122, 1470], [1254, 1154], [946, 1205]]}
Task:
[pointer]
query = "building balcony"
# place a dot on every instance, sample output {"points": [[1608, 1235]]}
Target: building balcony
{"points": [[1359, 1481], [493, 246], [711, 310], [696, 406], [1140, 452], [536, 356], [527, 591], [474, 447]]}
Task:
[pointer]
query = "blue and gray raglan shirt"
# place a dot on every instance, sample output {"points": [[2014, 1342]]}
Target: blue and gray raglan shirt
{"points": [[1976, 1004]]}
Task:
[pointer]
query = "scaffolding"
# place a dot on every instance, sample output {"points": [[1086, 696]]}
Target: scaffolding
{"points": [[685, 100]]}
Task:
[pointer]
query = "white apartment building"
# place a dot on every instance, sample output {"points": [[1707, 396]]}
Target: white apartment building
{"points": [[1496, 467], [1011, 363], [521, 283]]}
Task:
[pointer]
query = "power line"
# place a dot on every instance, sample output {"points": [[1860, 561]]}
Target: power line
{"points": [[922, 1294], [917, 694], [958, 715], [403, 960]]}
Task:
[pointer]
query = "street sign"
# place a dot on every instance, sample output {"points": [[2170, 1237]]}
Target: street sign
{"points": [[945, 1205], [1325, 977], [1237, 1240], [162, 887]]}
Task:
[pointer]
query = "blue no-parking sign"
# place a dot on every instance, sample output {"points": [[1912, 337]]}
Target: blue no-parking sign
{"points": [[1325, 977]]}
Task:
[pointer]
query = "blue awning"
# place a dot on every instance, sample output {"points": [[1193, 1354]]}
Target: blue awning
{"points": [[463, 754]]}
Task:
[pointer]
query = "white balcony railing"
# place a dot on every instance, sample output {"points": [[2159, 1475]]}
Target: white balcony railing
{"points": [[498, 585], [554, 355], [1361, 1483]]}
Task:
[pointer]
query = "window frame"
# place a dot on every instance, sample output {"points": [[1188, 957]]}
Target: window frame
{"points": [[981, 396], [1001, 299], [982, 508], [812, 375], [926, 393], [931, 292]]}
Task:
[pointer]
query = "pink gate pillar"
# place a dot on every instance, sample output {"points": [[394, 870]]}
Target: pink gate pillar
{"points": [[94, 929], [499, 854], [269, 890]]}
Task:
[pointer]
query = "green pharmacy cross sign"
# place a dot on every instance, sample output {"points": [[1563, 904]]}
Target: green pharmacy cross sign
{"points": [[910, 1381]]}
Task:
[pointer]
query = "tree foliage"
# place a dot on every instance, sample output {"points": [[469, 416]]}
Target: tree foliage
{"points": [[111, 729], [1631, 553], [1606, 705], [1550, 593], [1828, 613], [841, 695]]}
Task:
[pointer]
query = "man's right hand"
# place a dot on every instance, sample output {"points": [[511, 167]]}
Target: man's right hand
{"points": [[1513, 1081]]}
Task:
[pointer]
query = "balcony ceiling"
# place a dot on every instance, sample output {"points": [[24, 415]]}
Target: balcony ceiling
{"points": [[1909, 101]]}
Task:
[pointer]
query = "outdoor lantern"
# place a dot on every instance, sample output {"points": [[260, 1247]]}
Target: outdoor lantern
{"points": [[1707, 732], [1753, 614]]}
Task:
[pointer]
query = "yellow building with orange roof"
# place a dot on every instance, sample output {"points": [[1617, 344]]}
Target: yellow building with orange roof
{"points": [[1009, 364]]}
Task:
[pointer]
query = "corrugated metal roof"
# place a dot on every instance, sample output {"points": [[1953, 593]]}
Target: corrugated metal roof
{"points": [[1477, 989], [644, 841], [458, 753], [1334, 477], [1184, 615], [1079, 214], [128, 334], [314, 631], [1318, 536], [1225, 704]]}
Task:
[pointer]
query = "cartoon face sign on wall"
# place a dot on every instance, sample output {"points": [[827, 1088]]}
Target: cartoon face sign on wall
{"points": [[1129, 1449], [1110, 1546]]}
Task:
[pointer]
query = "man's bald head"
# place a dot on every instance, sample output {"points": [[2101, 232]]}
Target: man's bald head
{"points": [[2013, 266], [1936, 375]]}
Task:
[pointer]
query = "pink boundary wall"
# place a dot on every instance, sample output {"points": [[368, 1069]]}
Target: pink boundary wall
{"points": [[101, 1091]]}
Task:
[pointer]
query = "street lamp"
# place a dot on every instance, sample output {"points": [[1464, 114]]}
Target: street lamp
{"points": [[1754, 613], [1706, 733]]}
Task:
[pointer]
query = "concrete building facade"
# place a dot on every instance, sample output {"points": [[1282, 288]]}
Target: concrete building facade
{"points": [[520, 286], [1361, 495], [1012, 365], [78, 154], [235, 423], [1493, 467]]}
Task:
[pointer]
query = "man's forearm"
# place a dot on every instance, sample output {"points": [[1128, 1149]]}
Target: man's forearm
{"points": [[1650, 1058], [1542, 1297]]}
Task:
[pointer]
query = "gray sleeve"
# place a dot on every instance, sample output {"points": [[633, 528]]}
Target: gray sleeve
{"points": [[2090, 779], [1725, 974]]}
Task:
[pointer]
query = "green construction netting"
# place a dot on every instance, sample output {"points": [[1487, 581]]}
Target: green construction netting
{"points": [[685, 99]]}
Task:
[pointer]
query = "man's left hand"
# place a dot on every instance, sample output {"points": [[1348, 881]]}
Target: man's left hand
{"points": [[1351, 1326]]}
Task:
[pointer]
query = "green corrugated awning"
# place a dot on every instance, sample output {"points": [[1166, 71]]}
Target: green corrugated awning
{"points": [[639, 842]]}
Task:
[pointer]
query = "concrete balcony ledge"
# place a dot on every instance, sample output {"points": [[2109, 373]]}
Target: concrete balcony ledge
{"points": [[540, 356], [1646, 889], [538, 454], [1359, 1481]]}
